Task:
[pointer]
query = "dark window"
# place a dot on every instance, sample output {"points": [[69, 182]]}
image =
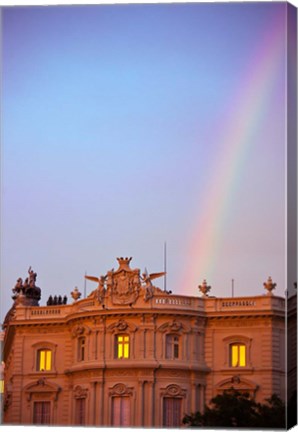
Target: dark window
{"points": [[171, 412], [41, 413], [172, 346], [121, 411], [81, 349], [80, 410]]}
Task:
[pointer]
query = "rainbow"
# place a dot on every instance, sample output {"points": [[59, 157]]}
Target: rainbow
{"points": [[236, 133]]}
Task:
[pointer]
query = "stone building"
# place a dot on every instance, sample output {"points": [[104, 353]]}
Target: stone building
{"points": [[133, 355]]}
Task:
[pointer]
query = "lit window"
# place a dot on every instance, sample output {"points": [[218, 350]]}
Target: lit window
{"points": [[122, 346], [172, 346], [1, 386], [44, 360], [237, 355], [81, 349]]}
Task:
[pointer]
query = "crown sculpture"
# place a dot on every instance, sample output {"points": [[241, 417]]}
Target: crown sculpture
{"points": [[125, 284]]}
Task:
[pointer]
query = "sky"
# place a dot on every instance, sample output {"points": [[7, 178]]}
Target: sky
{"points": [[128, 126]]}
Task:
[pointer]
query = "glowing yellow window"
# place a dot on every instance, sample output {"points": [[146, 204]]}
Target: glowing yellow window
{"points": [[122, 346], [1, 386], [238, 355], [44, 360]]}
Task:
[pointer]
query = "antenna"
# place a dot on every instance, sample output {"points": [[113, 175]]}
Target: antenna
{"points": [[165, 266], [85, 281], [232, 287]]}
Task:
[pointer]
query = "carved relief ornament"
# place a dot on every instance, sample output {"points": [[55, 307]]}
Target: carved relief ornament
{"points": [[173, 326], [121, 390], [80, 392], [42, 387], [121, 326], [80, 330], [173, 390]]}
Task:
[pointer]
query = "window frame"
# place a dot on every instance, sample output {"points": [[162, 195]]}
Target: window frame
{"points": [[81, 348], [170, 412], [44, 346], [172, 346], [123, 346], [237, 340], [44, 356], [36, 415], [236, 355], [121, 415], [80, 411]]}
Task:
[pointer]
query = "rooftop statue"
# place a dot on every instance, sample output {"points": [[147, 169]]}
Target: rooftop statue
{"points": [[204, 288], [99, 293], [147, 278], [124, 284], [27, 293], [269, 285]]}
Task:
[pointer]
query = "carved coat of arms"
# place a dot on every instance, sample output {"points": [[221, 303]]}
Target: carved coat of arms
{"points": [[124, 285]]}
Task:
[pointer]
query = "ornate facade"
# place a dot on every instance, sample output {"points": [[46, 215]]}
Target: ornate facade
{"points": [[133, 355]]}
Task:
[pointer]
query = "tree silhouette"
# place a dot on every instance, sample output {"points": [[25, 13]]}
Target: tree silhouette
{"points": [[236, 409]]}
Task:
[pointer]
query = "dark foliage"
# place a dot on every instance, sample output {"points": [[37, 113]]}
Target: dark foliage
{"points": [[235, 409], [292, 410]]}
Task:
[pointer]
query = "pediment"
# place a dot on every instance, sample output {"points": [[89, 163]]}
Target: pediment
{"points": [[236, 382], [174, 326], [122, 326], [42, 386]]}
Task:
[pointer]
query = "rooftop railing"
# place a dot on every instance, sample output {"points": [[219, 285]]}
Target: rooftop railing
{"points": [[203, 305]]}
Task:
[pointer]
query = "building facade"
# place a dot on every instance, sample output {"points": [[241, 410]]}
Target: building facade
{"points": [[133, 355]]}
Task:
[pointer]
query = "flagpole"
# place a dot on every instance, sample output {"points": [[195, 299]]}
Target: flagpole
{"points": [[85, 285], [165, 266]]}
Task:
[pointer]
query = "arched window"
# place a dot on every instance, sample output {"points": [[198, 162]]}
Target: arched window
{"points": [[121, 346], [172, 346], [44, 359], [238, 355], [237, 351]]}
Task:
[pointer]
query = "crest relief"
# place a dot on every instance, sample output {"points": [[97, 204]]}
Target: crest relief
{"points": [[124, 285]]}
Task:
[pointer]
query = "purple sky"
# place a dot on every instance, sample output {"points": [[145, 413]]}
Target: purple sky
{"points": [[116, 122]]}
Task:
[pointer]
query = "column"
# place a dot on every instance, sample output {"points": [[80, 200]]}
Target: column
{"points": [[193, 403], [150, 408], [140, 404], [93, 403]]}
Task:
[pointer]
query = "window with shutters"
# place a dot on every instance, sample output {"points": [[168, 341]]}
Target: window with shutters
{"points": [[41, 413], [172, 346], [171, 412], [121, 411]]}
